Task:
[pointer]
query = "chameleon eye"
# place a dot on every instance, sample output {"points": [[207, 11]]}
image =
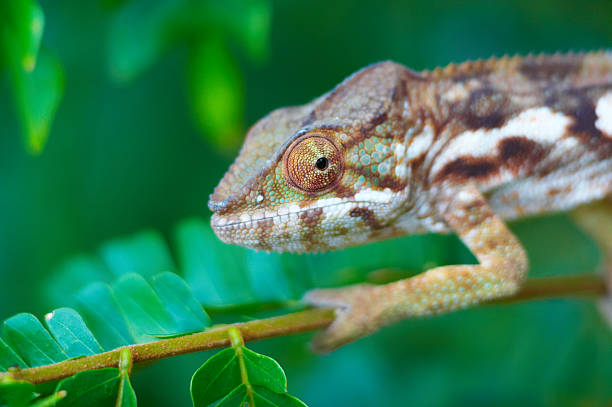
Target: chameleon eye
{"points": [[313, 163]]}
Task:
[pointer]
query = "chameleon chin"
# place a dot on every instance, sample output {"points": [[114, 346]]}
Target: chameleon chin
{"points": [[390, 152]]}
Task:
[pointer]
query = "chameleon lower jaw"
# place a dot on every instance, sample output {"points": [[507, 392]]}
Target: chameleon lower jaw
{"points": [[315, 229]]}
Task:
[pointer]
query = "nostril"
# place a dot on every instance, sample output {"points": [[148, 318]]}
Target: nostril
{"points": [[217, 206]]}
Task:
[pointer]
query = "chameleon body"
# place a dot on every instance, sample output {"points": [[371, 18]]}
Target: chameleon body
{"points": [[390, 152]]}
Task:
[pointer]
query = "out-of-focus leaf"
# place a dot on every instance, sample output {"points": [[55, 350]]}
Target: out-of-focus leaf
{"points": [[71, 333], [216, 93], [37, 95], [23, 22], [26, 335], [144, 253], [99, 307], [91, 388], [214, 271], [248, 22], [36, 76], [178, 299], [14, 393], [72, 276], [138, 36], [222, 275]]}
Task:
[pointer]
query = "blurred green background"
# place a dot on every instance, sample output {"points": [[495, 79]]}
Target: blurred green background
{"points": [[157, 98]]}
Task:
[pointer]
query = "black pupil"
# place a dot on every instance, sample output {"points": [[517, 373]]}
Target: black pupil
{"points": [[321, 163]]}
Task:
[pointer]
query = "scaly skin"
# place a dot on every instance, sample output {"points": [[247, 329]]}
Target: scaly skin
{"points": [[391, 152]]}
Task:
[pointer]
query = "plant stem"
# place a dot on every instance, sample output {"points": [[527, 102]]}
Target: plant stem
{"points": [[590, 285]]}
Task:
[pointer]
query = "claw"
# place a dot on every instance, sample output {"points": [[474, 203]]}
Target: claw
{"points": [[358, 313]]}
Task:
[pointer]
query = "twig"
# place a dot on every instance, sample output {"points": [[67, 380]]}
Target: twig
{"points": [[590, 285]]}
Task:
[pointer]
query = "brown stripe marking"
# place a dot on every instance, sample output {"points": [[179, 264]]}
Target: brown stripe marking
{"points": [[519, 151], [367, 216], [468, 167], [485, 109]]}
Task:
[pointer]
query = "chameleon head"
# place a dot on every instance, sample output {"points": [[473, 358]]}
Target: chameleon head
{"points": [[322, 176]]}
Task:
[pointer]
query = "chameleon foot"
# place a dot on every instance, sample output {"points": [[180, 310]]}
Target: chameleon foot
{"points": [[357, 314]]}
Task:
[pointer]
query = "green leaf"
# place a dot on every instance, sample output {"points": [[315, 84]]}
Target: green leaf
{"points": [[104, 318], [25, 334], [71, 333], [23, 22], [139, 35], [267, 278], [126, 397], [266, 398], [247, 21], [72, 276], [37, 96], [49, 401], [15, 393], [144, 253], [216, 93], [238, 397], [214, 271], [8, 357], [264, 371], [186, 312], [222, 275], [218, 376], [91, 388], [221, 377], [262, 397], [142, 307], [36, 77]]}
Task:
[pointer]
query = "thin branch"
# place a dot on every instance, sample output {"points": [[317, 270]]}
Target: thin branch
{"points": [[585, 285]]}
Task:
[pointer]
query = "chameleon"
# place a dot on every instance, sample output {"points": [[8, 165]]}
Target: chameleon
{"points": [[391, 151]]}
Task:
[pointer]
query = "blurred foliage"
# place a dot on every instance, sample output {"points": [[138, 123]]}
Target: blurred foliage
{"points": [[124, 156], [141, 33], [36, 77]]}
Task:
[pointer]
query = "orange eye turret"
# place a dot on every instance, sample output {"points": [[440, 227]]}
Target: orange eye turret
{"points": [[313, 163]]}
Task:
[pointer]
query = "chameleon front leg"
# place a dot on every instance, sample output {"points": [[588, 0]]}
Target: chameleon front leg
{"points": [[363, 309]]}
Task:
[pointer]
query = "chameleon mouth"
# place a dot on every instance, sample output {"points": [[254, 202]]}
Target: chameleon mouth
{"points": [[220, 222], [308, 229]]}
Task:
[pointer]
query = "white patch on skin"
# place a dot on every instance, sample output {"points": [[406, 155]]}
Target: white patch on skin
{"points": [[322, 203], [457, 92], [336, 211], [539, 124], [245, 217], [370, 195], [399, 150], [604, 114], [461, 90], [420, 143], [400, 171]]}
